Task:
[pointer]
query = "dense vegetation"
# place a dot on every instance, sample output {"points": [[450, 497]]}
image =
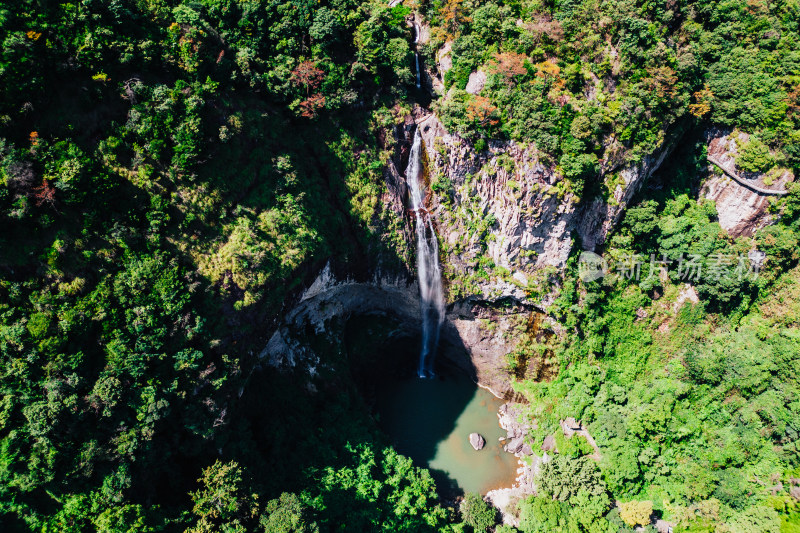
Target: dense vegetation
{"points": [[171, 173], [599, 84], [692, 402]]}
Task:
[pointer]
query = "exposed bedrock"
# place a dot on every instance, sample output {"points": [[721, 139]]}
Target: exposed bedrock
{"points": [[470, 339], [506, 228], [506, 205], [742, 206]]}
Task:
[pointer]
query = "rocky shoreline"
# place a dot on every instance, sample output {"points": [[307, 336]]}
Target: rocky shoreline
{"points": [[505, 500]]}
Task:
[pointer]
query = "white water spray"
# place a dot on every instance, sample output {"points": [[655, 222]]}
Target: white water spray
{"points": [[430, 277]]}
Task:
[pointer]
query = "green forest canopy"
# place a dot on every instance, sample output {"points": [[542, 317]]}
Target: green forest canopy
{"points": [[171, 171]]}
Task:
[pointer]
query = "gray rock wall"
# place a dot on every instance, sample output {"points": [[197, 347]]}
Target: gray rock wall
{"points": [[506, 226]]}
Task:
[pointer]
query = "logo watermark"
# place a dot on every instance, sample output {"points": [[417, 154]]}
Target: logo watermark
{"points": [[591, 266], [689, 267]]}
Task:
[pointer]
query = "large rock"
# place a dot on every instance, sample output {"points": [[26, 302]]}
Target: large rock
{"points": [[487, 335], [476, 82], [549, 444], [329, 298], [515, 445], [742, 210], [532, 222], [444, 58], [506, 216], [509, 184], [506, 206], [477, 441]]}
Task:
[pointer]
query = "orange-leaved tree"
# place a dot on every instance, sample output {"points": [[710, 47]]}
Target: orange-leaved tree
{"points": [[453, 14], [509, 65], [702, 105], [482, 112]]}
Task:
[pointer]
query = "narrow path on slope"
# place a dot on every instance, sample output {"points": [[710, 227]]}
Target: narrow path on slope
{"points": [[741, 181]]}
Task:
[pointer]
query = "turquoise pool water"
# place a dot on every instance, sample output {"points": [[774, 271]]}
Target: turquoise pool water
{"points": [[430, 421]]}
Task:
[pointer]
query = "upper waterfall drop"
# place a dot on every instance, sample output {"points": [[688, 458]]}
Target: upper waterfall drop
{"points": [[428, 270]]}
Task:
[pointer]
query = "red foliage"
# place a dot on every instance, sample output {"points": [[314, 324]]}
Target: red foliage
{"points": [[44, 194], [509, 64], [311, 104], [308, 75]]}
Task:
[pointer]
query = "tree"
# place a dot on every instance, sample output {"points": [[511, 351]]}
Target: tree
{"points": [[539, 514], [452, 13], [222, 501], [636, 513], [124, 519], [45, 194], [547, 70], [509, 65], [758, 519], [754, 156], [477, 513], [561, 478], [307, 74], [287, 514], [326, 26], [481, 111], [311, 105], [381, 491], [577, 167], [703, 99], [662, 81]]}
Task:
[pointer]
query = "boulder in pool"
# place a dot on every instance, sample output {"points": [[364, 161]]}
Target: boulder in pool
{"points": [[477, 441]]}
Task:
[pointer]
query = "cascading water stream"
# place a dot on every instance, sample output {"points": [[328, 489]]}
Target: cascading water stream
{"points": [[416, 55], [430, 277]]}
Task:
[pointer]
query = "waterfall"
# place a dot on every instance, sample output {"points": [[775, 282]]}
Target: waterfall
{"points": [[430, 277], [416, 57]]}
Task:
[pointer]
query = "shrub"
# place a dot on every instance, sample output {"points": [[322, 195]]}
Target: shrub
{"points": [[754, 156], [477, 513]]}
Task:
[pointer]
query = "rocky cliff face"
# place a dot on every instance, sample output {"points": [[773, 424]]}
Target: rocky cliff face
{"points": [[507, 226], [506, 220], [600, 216], [742, 206], [330, 300]]}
